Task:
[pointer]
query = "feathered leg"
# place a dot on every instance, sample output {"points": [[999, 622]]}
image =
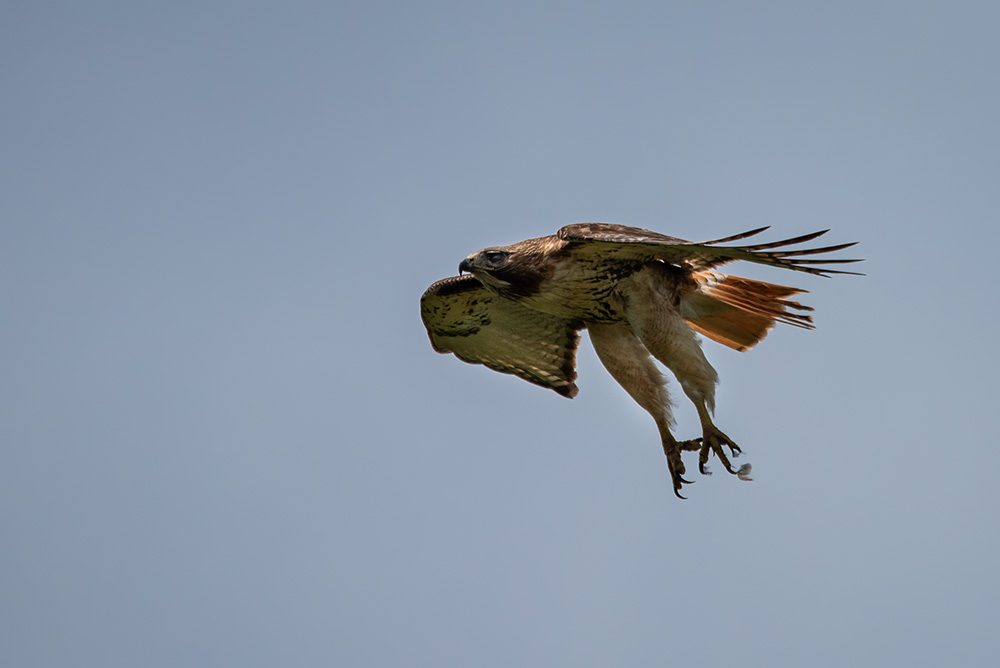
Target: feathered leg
{"points": [[651, 299], [628, 362]]}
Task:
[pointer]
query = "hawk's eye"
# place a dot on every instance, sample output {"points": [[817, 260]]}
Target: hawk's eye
{"points": [[494, 258]]}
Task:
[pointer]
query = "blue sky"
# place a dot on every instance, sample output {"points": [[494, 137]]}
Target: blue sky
{"points": [[225, 439]]}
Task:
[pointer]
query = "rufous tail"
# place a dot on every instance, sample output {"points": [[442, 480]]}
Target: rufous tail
{"points": [[739, 312]]}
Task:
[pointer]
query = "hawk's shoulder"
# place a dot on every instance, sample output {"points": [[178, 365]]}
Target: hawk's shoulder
{"points": [[612, 233]]}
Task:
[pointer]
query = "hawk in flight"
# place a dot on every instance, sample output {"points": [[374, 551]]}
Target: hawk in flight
{"points": [[640, 295]]}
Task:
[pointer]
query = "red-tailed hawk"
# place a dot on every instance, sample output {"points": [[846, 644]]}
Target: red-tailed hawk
{"points": [[639, 294]]}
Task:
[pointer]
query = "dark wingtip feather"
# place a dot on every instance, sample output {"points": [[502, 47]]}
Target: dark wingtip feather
{"points": [[736, 237], [825, 273], [827, 261], [568, 391], [814, 251], [786, 242]]}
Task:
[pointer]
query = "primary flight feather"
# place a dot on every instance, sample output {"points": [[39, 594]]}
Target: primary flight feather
{"points": [[640, 295]]}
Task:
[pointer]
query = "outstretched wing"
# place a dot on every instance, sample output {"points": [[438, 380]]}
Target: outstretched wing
{"points": [[623, 242], [480, 327]]}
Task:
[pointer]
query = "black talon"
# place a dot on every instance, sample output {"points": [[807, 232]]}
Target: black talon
{"points": [[679, 481], [704, 469]]}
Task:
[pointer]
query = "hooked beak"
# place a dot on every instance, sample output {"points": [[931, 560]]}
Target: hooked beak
{"points": [[464, 265]]}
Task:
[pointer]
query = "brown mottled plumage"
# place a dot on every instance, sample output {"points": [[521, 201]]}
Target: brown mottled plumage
{"points": [[640, 295]]}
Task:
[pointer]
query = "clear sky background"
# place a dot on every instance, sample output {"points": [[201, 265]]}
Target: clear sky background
{"points": [[226, 441]]}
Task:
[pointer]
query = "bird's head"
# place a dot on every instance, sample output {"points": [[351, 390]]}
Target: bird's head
{"points": [[509, 270], [487, 261]]}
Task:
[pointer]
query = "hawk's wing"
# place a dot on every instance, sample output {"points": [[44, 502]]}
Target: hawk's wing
{"points": [[480, 327], [623, 242]]}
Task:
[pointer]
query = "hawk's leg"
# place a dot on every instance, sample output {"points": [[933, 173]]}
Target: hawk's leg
{"points": [[628, 361], [652, 305]]}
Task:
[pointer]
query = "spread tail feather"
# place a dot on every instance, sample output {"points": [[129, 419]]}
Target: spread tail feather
{"points": [[739, 312]]}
